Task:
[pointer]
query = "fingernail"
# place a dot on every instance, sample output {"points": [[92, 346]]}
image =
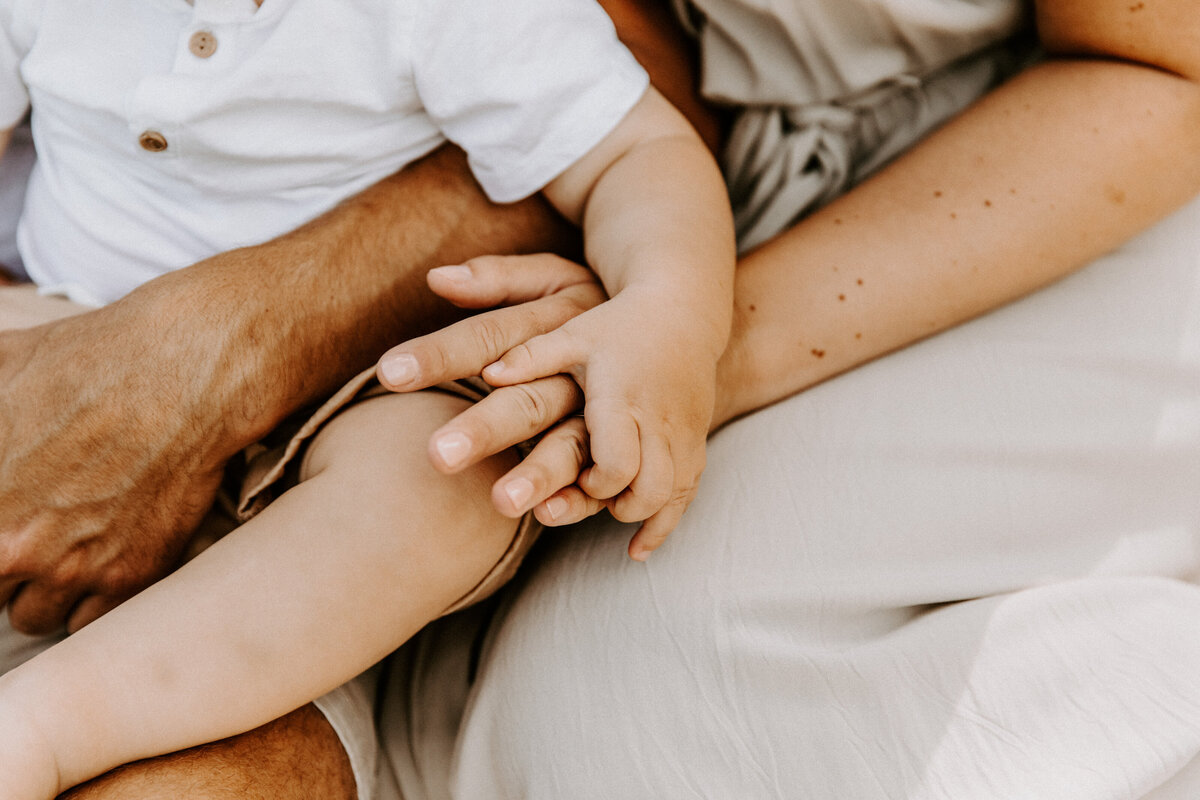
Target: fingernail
{"points": [[494, 369], [556, 507], [453, 448], [399, 369], [455, 272], [519, 491], [639, 554]]}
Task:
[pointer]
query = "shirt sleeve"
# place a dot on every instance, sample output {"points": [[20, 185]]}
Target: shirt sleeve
{"points": [[525, 87], [14, 98]]}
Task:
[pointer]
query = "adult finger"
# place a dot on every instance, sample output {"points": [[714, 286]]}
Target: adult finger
{"points": [[567, 506], [466, 347], [506, 417], [8, 588], [548, 291], [488, 281], [39, 608], [554, 462], [90, 609]]}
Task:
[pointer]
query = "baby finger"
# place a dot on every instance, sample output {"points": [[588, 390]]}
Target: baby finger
{"points": [[652, 487], [616, 451], [539, 357], [655, 530]]}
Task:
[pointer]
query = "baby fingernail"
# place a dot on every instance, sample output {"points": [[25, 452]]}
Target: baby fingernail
{"points": [[453, 448], [556, 507], [519, 491], [399, 369], [456, 272]]}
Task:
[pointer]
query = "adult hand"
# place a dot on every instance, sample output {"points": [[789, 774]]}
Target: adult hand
{"points": [[104, 468], [535, 294]]}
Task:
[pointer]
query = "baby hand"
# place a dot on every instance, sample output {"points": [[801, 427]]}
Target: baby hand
{"points": [[648, 377]]}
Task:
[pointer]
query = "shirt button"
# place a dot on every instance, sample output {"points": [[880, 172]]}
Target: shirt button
{"points": [[153, 141], [202, 44]]}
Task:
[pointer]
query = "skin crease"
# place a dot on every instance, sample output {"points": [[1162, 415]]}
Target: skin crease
{"points": [[1043, 175], [236, 342], [293, 318], [1079, 93], [200, 339]]}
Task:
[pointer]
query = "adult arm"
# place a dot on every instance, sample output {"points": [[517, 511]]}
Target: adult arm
{"points": [[1051, 170], [115, 424]]}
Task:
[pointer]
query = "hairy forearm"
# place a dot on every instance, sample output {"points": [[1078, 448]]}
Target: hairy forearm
{"points": [[1050, 171], [269, 328]]}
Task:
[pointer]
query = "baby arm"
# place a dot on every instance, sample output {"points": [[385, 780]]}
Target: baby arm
{"points": [[327, 580], [658, 231]]}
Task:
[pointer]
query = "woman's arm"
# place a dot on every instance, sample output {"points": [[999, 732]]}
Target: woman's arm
{"points": [[1046, 173]]}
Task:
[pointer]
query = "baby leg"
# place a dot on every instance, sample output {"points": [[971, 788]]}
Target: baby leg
{"points": [[368, 547]]}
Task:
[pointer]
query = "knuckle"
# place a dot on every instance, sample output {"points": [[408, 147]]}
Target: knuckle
{"points": [[117, 579], [567, 305], [431, 360], [573, 441], [520, 356], [26, 622], [14, 561], [622, 513], [489, 334], [606, 481], [643, 504], [20, 554], [485, 263], [530, 403]]}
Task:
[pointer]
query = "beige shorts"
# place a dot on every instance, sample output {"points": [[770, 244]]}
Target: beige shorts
{"points": [[265, 471], [273, 464]]}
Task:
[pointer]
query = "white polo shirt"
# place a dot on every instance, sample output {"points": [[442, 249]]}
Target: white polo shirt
{"points": [[167, 131]]}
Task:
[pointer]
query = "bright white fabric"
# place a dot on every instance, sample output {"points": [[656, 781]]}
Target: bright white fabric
{"points": [[962, 571], [303, 103], [957, 572]]}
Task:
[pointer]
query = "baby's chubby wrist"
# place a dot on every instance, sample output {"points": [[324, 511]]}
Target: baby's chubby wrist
{"points": [[696, 319]]}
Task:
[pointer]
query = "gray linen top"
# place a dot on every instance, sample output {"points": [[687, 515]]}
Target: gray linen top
{"points": [[829, 91]]}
